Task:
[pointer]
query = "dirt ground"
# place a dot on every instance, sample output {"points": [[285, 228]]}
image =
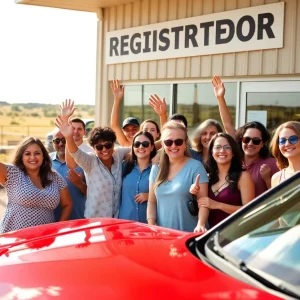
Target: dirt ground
{"points": [[2, 202]]}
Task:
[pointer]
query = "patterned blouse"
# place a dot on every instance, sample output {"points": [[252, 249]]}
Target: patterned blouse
{"points": [[28, 205], [104, 187]]}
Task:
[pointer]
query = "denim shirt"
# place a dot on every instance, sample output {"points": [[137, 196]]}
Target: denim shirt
{"points": [[78, 198], [134, 183]]}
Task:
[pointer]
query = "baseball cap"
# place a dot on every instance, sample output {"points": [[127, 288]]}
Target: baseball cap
{"points": [[130, 121]]}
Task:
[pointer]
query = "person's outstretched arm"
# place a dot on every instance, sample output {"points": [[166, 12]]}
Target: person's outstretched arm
{"points": [[118, 93], [160, 107], [219, 91], [66, 111]]}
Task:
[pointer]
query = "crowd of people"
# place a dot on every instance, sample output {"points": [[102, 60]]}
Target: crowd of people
{"points": [[156, 173]]}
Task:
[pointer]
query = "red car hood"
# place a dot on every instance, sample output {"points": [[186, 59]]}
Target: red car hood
{"points": [[109, 259]]}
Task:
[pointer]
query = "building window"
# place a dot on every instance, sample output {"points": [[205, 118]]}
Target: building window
{"points": [[279, 107], [197, 102], [136, 100]]}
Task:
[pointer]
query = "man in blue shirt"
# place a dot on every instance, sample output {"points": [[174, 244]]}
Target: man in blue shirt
{"points": [[74, 177]]}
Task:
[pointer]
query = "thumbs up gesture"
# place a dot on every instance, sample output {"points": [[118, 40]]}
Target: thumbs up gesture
{"points": [[195, 187]]}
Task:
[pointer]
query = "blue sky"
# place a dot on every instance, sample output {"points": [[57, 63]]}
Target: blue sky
{"points": [[46, 55]]}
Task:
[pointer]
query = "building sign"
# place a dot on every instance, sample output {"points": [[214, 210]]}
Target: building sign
{"points": [[254, 28]]}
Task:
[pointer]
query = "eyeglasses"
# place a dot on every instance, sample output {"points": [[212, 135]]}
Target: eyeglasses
{"points": [[177, 142], [292, 140], [58, 140], [107, 146], [219, 148], [256, 141], [145, 144]]}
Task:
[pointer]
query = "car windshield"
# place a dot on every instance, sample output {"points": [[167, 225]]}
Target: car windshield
{"points": [[268, 237]]}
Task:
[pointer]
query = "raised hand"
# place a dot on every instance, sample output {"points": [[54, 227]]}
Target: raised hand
{"points": [[65, 128], [159, 105], [117, 90], [195, 187], [218, 85], [67, 109]]}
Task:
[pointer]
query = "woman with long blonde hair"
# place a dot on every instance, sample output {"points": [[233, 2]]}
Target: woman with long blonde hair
{"points": [[285, 147], [169, 183]]}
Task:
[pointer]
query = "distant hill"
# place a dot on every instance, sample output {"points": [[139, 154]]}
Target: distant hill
{"points": [[35, 114]]}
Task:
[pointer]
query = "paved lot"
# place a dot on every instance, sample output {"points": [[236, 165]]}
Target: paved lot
{"points": [[2, 201]]}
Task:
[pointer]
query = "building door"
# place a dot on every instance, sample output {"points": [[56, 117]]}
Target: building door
{"points": [[270, 102]]}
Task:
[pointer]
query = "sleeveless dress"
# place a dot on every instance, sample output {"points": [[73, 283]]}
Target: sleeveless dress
{"points": [[227, 196]]}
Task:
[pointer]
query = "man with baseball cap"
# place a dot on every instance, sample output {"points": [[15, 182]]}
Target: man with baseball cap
{"points": [[130, 125]]}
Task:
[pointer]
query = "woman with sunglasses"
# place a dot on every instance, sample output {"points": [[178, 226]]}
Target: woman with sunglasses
{"points": [[34, 190], [136, 171], [252, 139], [285, 147], [103, 169], [170, 181], [230, 186]]}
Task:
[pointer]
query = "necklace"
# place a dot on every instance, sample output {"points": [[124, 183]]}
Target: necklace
{"points": [[217, 191]]}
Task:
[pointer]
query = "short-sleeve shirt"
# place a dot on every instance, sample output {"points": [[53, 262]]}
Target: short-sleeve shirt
{"points": [[86, 148], [253, 169], [104, 187], [78, 198], [28, 205], [134, 183], [172, 197]]}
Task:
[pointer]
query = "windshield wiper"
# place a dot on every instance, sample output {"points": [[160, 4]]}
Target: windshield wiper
{"points": [[264, 278]]}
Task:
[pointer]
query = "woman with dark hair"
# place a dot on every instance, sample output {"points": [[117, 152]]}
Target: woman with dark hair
{"points": [[285, 147], [253, 140], [230, 186], [202, 136], [103, 169], [33, 189], [136, 171]]}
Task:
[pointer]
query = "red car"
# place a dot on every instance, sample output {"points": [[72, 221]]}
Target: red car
{"points": [[254, 254]]}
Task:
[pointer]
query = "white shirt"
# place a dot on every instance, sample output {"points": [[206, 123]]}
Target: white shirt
{"points": [[104, 187]]}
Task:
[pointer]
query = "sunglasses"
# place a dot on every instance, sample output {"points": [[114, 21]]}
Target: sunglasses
{"points": [[256, 141], [145, 144], [107, 145], [177, 142], [58, 140], [292, 140]]}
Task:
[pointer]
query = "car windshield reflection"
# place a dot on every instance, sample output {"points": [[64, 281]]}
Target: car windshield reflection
{"points": [[268, 237]]}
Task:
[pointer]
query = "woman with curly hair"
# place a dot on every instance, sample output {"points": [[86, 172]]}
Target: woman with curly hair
{"points": [[136, 171], [103, 168], [34, 190], [252, 139], [285, 147], [230, 185]]}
